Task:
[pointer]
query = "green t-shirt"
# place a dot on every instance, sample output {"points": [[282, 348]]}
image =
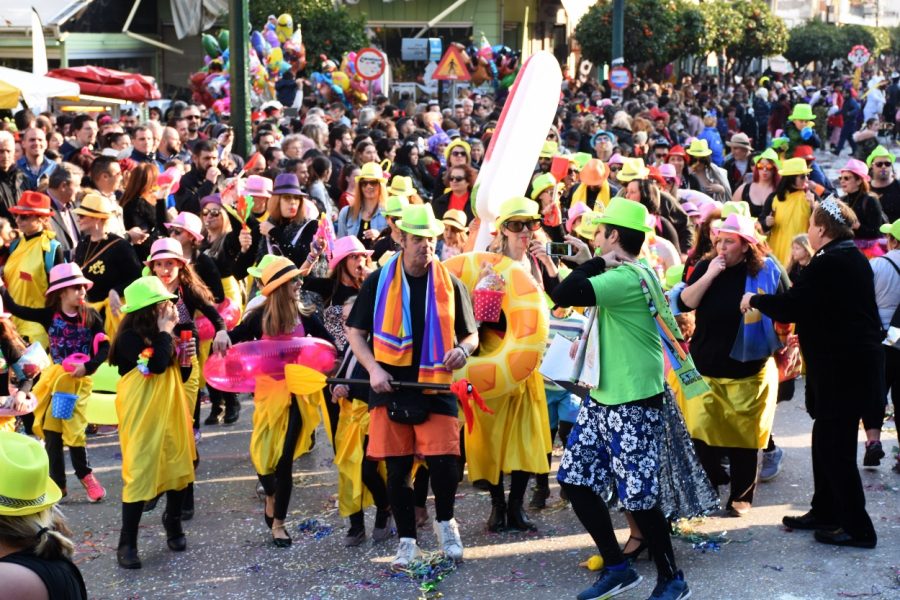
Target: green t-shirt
{"points": [[631, 354]]}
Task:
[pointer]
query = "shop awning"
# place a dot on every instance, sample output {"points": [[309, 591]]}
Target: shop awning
{"points": [[109, 83], [36, 89]]}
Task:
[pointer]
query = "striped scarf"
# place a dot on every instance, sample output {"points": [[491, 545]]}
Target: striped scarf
{"points": [[393, 330]]}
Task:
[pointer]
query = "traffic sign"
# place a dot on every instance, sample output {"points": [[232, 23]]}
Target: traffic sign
{"points": [[452, 67], [370, 63], [620, 77], [859, 55]]}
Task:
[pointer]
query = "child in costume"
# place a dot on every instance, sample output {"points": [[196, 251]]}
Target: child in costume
{"points": [[167, 262], [75, 331], [11, 349], [158, 450], [283, 423], [360, 483]]}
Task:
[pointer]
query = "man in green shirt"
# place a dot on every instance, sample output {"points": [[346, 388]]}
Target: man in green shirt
{"points": [[617, 438]]}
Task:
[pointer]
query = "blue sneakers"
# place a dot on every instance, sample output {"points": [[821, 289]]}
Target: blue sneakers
{"points": [[611, 583], [673, 589]]}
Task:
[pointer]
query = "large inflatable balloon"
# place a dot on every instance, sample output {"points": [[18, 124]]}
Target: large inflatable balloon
{"points": [[521, 131], [284, 27], [243, 363]]}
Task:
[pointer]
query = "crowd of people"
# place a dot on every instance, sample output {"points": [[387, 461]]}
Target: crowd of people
{"points": [[684, 237]]}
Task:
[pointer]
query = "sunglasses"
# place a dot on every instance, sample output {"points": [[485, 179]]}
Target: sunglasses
{"points": [[192, 117], [519, 226], [210, 213], [882, 165], [460, 153], [615, 168], [847, 178], [366, 182], [456, 178], [661, 156], [572, 172], [765, 167]]}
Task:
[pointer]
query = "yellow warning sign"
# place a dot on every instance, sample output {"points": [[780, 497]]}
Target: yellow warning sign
{"points": [[452, 67]]}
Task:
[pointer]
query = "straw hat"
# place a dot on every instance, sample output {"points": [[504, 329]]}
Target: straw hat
{"points": [[456, 219], [66, 275], [279, 271], [419, 219], [26, 487], [94, 205], [740, 140], [145, 291]]}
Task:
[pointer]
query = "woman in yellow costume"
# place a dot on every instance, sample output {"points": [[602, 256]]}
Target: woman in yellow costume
{"points": [[283, 423], [76, 335], [30, 259], [158, 449], [786, 213], [516, 438], [167, 262]]}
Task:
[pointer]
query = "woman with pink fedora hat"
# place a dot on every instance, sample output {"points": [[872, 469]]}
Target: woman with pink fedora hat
{"points": [[260, 189], [733, 352], [78, 346], [30, 258], [854, 182], [108, 260]]}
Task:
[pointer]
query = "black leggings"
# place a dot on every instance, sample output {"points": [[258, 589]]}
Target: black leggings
{"points": [[281, 482], [371, 478], [742, 465], [53, 443], [443, 473], [892, 386], [594, 515], [132, 511]]}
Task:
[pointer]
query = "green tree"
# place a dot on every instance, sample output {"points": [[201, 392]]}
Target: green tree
{"points": [[653, 33], [894, 34], [326, 29], [853, 35], [814, 41], [762, 33]]}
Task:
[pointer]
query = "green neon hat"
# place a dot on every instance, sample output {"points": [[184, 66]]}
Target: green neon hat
{"points": [[879, 151], [395, 205], [802, 112], [768, 154], [263, 263], [674, 275], [626, 213], [419, 219], [892, 229], [517, 206], [541, 183], [144, 292]]}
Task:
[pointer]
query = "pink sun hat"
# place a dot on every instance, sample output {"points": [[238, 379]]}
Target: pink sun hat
{"points": [[576, 211], [691, 209], [344, 247], [858, 168], [616, 159], [164, 248], [170, 176], [668, 171], [257, 185], [741, 226], [190, 223], [65, 275]]}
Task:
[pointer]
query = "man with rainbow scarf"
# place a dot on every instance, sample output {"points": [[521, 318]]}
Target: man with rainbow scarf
{"points": [[413, 322]]}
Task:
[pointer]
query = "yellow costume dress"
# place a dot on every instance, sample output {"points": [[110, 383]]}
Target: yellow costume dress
{"points": [[791, 218], [271, 402], [25, 274], [55, 379], [352, 428], [155, 431]]}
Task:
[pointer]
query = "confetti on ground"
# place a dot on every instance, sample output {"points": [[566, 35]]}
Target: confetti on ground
{"points": [[314, 529], [427, 572], [686, 529]]}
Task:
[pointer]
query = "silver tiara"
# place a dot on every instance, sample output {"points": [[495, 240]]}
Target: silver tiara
{"points": [[830, 206]]}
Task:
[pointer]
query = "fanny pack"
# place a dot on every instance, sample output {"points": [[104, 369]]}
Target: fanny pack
{"points": [[406, 415]]}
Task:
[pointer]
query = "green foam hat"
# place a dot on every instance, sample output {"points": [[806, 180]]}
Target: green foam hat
{"points": [[144, 292], [877, 152], [626, 213], [802, 112], [419, 219], [263, 263]]}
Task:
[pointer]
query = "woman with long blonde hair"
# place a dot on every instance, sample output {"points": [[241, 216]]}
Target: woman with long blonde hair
{"points": [[363, 217]]}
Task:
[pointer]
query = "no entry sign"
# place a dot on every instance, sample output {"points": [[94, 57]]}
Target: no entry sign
{"points": [[619, 77]]}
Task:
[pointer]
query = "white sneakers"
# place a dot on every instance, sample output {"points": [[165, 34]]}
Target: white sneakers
{"points": [[447, 533], [407, 552]]}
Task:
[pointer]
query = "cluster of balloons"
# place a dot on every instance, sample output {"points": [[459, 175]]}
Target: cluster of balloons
{"points": [[274, 51], [498, 64], [343, 84]]}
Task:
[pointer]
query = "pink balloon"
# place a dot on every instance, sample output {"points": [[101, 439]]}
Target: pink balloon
{"points": [[243, 363]]}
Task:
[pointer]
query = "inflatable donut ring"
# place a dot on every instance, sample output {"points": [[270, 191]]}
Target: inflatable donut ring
{"points": [[502, 371]]}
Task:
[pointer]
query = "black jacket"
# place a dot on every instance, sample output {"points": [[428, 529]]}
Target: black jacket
{"points": [[193, 187], [833, 304], [12, 184]]}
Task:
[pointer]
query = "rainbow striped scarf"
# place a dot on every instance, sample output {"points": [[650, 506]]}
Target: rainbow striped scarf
{"points": [[393, 330]]}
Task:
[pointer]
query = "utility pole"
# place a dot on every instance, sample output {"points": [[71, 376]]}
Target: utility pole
{"points": [[239, 24], [618, 33]]}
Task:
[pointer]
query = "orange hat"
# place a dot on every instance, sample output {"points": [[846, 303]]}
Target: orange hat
{"points": [[32, 203], [594, 172]]}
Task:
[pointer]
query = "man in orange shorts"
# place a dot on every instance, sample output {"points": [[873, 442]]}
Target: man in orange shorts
{"points": [[413, 322]]}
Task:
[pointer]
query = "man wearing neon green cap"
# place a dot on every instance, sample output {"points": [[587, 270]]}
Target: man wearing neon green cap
{"points": [[617, 437], [884, 184]]}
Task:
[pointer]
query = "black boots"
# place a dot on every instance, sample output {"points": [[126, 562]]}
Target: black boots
{"points": [[187, 504], [232, 409], [540, 493], [127, 554], [517, 519], [174, 533], [497, 521], [215, 413]]}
